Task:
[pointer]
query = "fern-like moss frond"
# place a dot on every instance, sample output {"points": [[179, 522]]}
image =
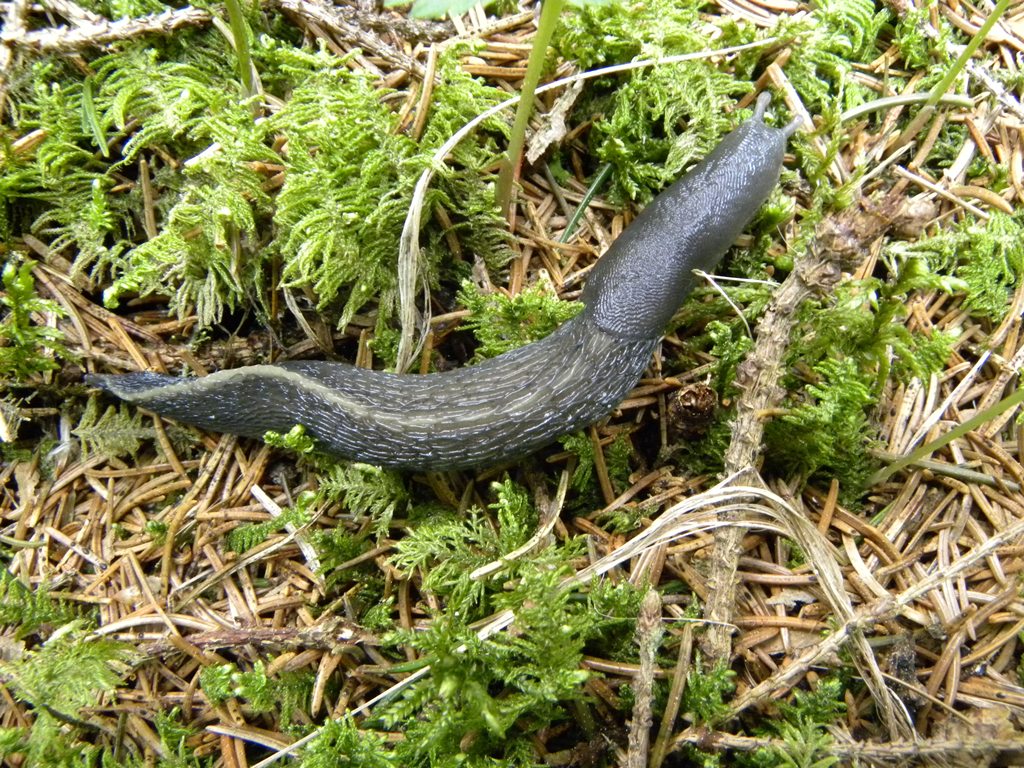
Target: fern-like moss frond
{"points": [[26, 347], [114, 431], [170, 99], [829, 432], [349, 182], [366, 490], [68, 671], [659, 120], [502, 323], [28, 609]]}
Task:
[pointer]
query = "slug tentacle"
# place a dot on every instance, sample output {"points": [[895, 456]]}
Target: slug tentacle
{"points": [[511, 405], [637, 286]]}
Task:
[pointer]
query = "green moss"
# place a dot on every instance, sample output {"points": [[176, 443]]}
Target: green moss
{"points": [[285, 693], [517, 519], [987, 256], [502, 323], [660, 122], [366, 490], [249, 535], [26, 348], [801, 728], [28, 610], [175, 737], [582, 447], [828, 432], [617, 456], [657, 121], [295, 440], [616, 607], [57, 679], [378, 618], [345, 197], [341, 744], [349, 183], [214, 202], [596, 35], [446, 549], [116, 9], [854, 26], [335, 547], [730, 345], [918, 49], [706, 692], [501, 689], [113, 431], [848, 347], [865, 321], [223, 233]]}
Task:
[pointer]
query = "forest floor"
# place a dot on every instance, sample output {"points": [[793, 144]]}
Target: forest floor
{"points": [[776, 592]]}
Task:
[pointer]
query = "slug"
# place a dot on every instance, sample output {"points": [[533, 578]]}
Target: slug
{"points": [[511, 405]]}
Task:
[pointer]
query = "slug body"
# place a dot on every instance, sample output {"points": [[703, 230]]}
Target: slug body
{"points": [[511, 405]]}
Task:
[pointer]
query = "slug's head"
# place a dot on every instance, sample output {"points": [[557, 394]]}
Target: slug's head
{"points": [[639, 283]]}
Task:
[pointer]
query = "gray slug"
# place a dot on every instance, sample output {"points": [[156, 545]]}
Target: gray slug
{"points": [[511, 405]]}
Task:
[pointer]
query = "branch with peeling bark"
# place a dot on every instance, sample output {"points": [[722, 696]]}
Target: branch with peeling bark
{"points": [[103, 32], [327, 636], [985, 751], [92, 30], [839, 245]]}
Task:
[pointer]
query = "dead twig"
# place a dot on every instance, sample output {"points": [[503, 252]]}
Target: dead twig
{"points": [[839, 245], [97, 34]]}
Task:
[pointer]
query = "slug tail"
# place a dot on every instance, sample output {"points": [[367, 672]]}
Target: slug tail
{"points": [[128, 385], [244, 401]]}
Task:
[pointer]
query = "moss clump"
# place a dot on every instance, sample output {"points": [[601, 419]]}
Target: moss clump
{"points": [[502, 323], [26, 347], [224, 228]]}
